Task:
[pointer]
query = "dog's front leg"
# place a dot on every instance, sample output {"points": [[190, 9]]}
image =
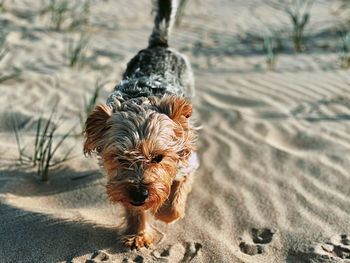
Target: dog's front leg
{"points": [[174, 208], [138, 233]]}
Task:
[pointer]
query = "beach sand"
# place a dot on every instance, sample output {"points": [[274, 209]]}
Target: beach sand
{"points": [[273, 184]]}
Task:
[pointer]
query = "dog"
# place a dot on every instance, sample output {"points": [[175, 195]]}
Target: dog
{"points": [[144, 136]]}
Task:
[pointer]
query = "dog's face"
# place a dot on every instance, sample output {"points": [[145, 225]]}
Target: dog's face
{"points": [[141, 144]]}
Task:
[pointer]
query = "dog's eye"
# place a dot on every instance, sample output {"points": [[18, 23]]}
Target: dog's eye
{"points": [[157, 159]]}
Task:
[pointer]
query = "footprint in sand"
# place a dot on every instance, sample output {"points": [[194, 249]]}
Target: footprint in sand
{"points": [[183, 253], [257, 241], [178, 253], [98, 256], [139, 259], [337, 248]]}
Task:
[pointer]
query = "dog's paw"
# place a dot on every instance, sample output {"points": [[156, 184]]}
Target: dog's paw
{"points": [[138, 241]]}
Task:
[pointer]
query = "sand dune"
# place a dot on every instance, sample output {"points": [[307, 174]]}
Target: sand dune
{"points": [[273, 185]]}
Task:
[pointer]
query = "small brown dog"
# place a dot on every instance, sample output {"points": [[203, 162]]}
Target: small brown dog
{"points": [[143, 135]]}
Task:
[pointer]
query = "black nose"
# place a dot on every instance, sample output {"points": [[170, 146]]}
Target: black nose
{"points": [[138, 195]]}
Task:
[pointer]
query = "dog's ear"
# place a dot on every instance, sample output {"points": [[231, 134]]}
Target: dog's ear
{"points": [[96, 126], [178, 109]]}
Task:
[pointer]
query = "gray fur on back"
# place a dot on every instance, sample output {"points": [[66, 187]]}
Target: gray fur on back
{"points": [[157, 70]]}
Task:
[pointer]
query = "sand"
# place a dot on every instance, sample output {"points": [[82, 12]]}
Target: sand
{"points": [[273, 185]]}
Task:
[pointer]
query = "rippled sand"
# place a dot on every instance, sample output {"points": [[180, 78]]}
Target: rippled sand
{"points": [[273, 185]]}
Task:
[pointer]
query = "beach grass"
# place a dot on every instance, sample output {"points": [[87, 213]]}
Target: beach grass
{"points": [[345, 52], [298, 12], [270, 52], [76, 50], [90, 102], [47, 142]]}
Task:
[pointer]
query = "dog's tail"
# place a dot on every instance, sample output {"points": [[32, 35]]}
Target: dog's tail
{"points": [[165, 16]]}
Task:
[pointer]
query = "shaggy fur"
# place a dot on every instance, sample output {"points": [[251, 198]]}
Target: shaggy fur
{"points": [[143, 135]]}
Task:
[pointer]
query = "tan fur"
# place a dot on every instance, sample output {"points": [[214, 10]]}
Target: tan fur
{"points": [[137, 234], [141, 144], [95, 128], [174, 208]]}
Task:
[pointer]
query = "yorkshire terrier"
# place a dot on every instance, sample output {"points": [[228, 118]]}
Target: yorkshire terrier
{"points": [[143, 135]]}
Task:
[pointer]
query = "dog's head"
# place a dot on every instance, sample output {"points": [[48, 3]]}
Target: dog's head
{"points": [[141, 142]]}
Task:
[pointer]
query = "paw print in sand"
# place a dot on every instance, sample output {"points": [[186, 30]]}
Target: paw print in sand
{"points": [[178, 253], [257, 241], [337, 248], [98, 256]]}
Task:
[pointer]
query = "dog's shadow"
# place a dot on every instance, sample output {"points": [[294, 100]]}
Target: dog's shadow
{"points": [[37, 237], [28, 234]]}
